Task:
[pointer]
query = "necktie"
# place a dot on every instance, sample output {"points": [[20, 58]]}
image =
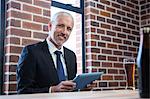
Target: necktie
{"points": [[60, 70]]}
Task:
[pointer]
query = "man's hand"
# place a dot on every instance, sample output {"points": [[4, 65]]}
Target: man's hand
{"points": [[63, 86]]}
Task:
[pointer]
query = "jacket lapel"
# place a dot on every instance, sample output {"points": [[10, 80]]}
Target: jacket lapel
{"points": [[67, 61], [50, 61]]}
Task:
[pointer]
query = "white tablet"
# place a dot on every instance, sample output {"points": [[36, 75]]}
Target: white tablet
{"points": [[86, 78]]}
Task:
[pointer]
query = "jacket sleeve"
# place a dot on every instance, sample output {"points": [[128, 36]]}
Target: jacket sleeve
{"points": [[26, 72]]}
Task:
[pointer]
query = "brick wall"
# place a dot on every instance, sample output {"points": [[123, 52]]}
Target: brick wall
{"points": [[26, 24], [112, 34], [145, 12]]}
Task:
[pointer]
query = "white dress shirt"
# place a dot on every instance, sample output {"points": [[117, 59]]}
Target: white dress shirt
{"points": [[52, 49]]}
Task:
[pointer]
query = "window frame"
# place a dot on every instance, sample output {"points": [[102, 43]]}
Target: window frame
{"points": [[2, 38], [79, 10]]}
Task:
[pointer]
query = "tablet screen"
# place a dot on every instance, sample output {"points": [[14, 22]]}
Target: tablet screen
{"points": [[86, 78]]}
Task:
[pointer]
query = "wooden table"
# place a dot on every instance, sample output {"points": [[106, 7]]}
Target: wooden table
{"points": [[113, 94]]}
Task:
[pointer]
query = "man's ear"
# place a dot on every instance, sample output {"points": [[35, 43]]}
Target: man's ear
{"points": [[49, 25]]}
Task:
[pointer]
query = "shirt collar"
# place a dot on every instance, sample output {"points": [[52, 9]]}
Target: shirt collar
{"points": [[52, 48]]}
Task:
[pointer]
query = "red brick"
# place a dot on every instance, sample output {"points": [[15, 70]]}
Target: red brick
{"points": [[122, 83], [107, 77], [106, 64], [100, 18], [130, 5], [112, 71], [127, 42], [122, 24], [15, 23], [39, 35], [41, 19], [106, 51], [106, 26], [93, 43], [95, 50], [122, 47], [93, 29], [93, 23], [15, 49], [126, 31], [117, 53], [94, 57], [14, 58], [10, 68], [100, 31], [14, 5], [12, 87], [114, 46], [131, 26], [115, 5], [135, 12], [20, 32], [121, 35], [136, 44], [32, 26], [110, 58], [121, 12], [101, 57], [125, 8], [127, 54], [12, 77], [131, 37], [111, 21], [95, 11], [46, 12], [105, 38], [104, 13], [117, 40], [96, 64], [101, 44], [135, 22], [130, 15], [131, 48], [32, 9], [118, 65], [26, 1], [105, 2], [92, 16], [12, 40], [102, 84], [119, 77], [100, 6], [113, 84], [95, 37], [28, 41], [20, 15], [110, 9], [121, 71], [116, 28], [41, 3], [116, 17]]}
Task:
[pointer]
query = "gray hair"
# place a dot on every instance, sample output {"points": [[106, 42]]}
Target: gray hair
{"points": [[55, 16]]}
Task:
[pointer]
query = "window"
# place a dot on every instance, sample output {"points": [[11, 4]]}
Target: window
{"points": [[2, 29], [76, 40]]}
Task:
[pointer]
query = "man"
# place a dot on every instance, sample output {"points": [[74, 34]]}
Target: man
{"points": [[37, 69]]}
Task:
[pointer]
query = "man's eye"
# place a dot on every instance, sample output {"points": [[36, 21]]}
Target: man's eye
{"points": [[60, 25], [69, 29]]}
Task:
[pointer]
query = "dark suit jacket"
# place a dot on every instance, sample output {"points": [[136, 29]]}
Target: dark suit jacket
{"points": [[36, 71]]}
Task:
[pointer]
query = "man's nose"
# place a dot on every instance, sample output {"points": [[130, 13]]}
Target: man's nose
{"points": [[65, 31]]}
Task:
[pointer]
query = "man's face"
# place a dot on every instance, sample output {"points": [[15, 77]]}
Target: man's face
{"points": [[61, 29]]}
